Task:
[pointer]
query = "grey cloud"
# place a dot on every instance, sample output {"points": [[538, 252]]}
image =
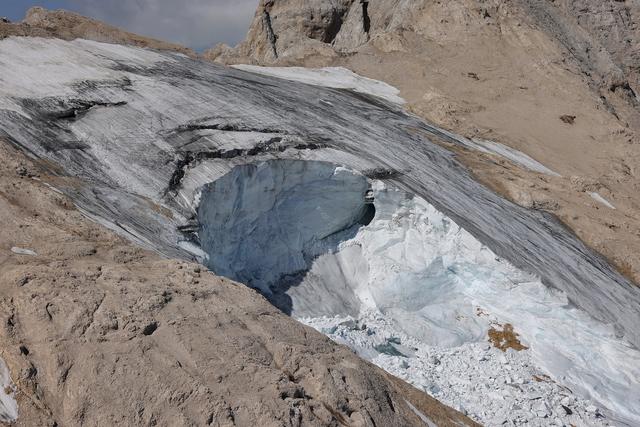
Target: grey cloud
{"points": [[195, 23]]}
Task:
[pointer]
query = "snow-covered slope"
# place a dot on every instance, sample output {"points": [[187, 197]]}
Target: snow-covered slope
{"points": [[144, 132]]}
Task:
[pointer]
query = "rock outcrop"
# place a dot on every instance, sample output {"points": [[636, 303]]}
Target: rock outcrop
{"points": [[603, 37]]}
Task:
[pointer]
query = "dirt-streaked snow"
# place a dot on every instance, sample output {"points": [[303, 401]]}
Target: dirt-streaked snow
{"points": [[335, 77]]}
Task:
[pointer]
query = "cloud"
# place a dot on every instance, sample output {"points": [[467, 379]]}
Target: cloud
{"points": [[198, 24]]}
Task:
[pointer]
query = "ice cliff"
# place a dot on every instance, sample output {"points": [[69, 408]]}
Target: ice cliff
{"points": [[261, 222]]}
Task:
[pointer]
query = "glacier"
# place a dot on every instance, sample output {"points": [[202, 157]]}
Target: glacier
{"points": [[144, 142], [342, 78], [334, 77]]}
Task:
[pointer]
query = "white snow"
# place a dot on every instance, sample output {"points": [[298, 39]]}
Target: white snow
{"points": [[8, 404], [23, 251], [335, 77], [597, 197], [512, 154], [492, 147], [421, 415]]}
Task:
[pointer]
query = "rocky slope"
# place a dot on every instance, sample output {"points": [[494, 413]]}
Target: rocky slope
{"points": [[556, 80]]}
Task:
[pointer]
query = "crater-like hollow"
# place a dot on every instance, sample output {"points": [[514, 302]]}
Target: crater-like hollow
{"points": [[399, 281], [264, 224]]}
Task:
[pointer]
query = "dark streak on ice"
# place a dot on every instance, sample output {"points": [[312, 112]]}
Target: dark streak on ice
{"points": [[189, 159], [65, 109]]}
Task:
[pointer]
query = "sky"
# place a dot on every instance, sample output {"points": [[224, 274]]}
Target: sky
{"points": [[199, 24]]}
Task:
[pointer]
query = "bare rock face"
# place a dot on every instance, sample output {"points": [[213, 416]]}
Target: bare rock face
{"points": [[603, 36], [284, 28]]}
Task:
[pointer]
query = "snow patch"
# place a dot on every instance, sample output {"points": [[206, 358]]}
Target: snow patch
{"points": [[597, 197], [492, 147], [512, 154], [334, 77], [421, 415], [23, 251], [8, 404]]}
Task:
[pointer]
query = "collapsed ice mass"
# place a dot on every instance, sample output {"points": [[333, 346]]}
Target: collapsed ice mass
{"points": [[295, 230]]}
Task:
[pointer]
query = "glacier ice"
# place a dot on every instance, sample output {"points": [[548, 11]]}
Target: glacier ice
{"points": [[260, 222], [293, 229], [82, 107]]}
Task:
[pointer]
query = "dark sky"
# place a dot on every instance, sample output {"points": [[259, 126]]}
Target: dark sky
{"points": [[199, 24]]}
